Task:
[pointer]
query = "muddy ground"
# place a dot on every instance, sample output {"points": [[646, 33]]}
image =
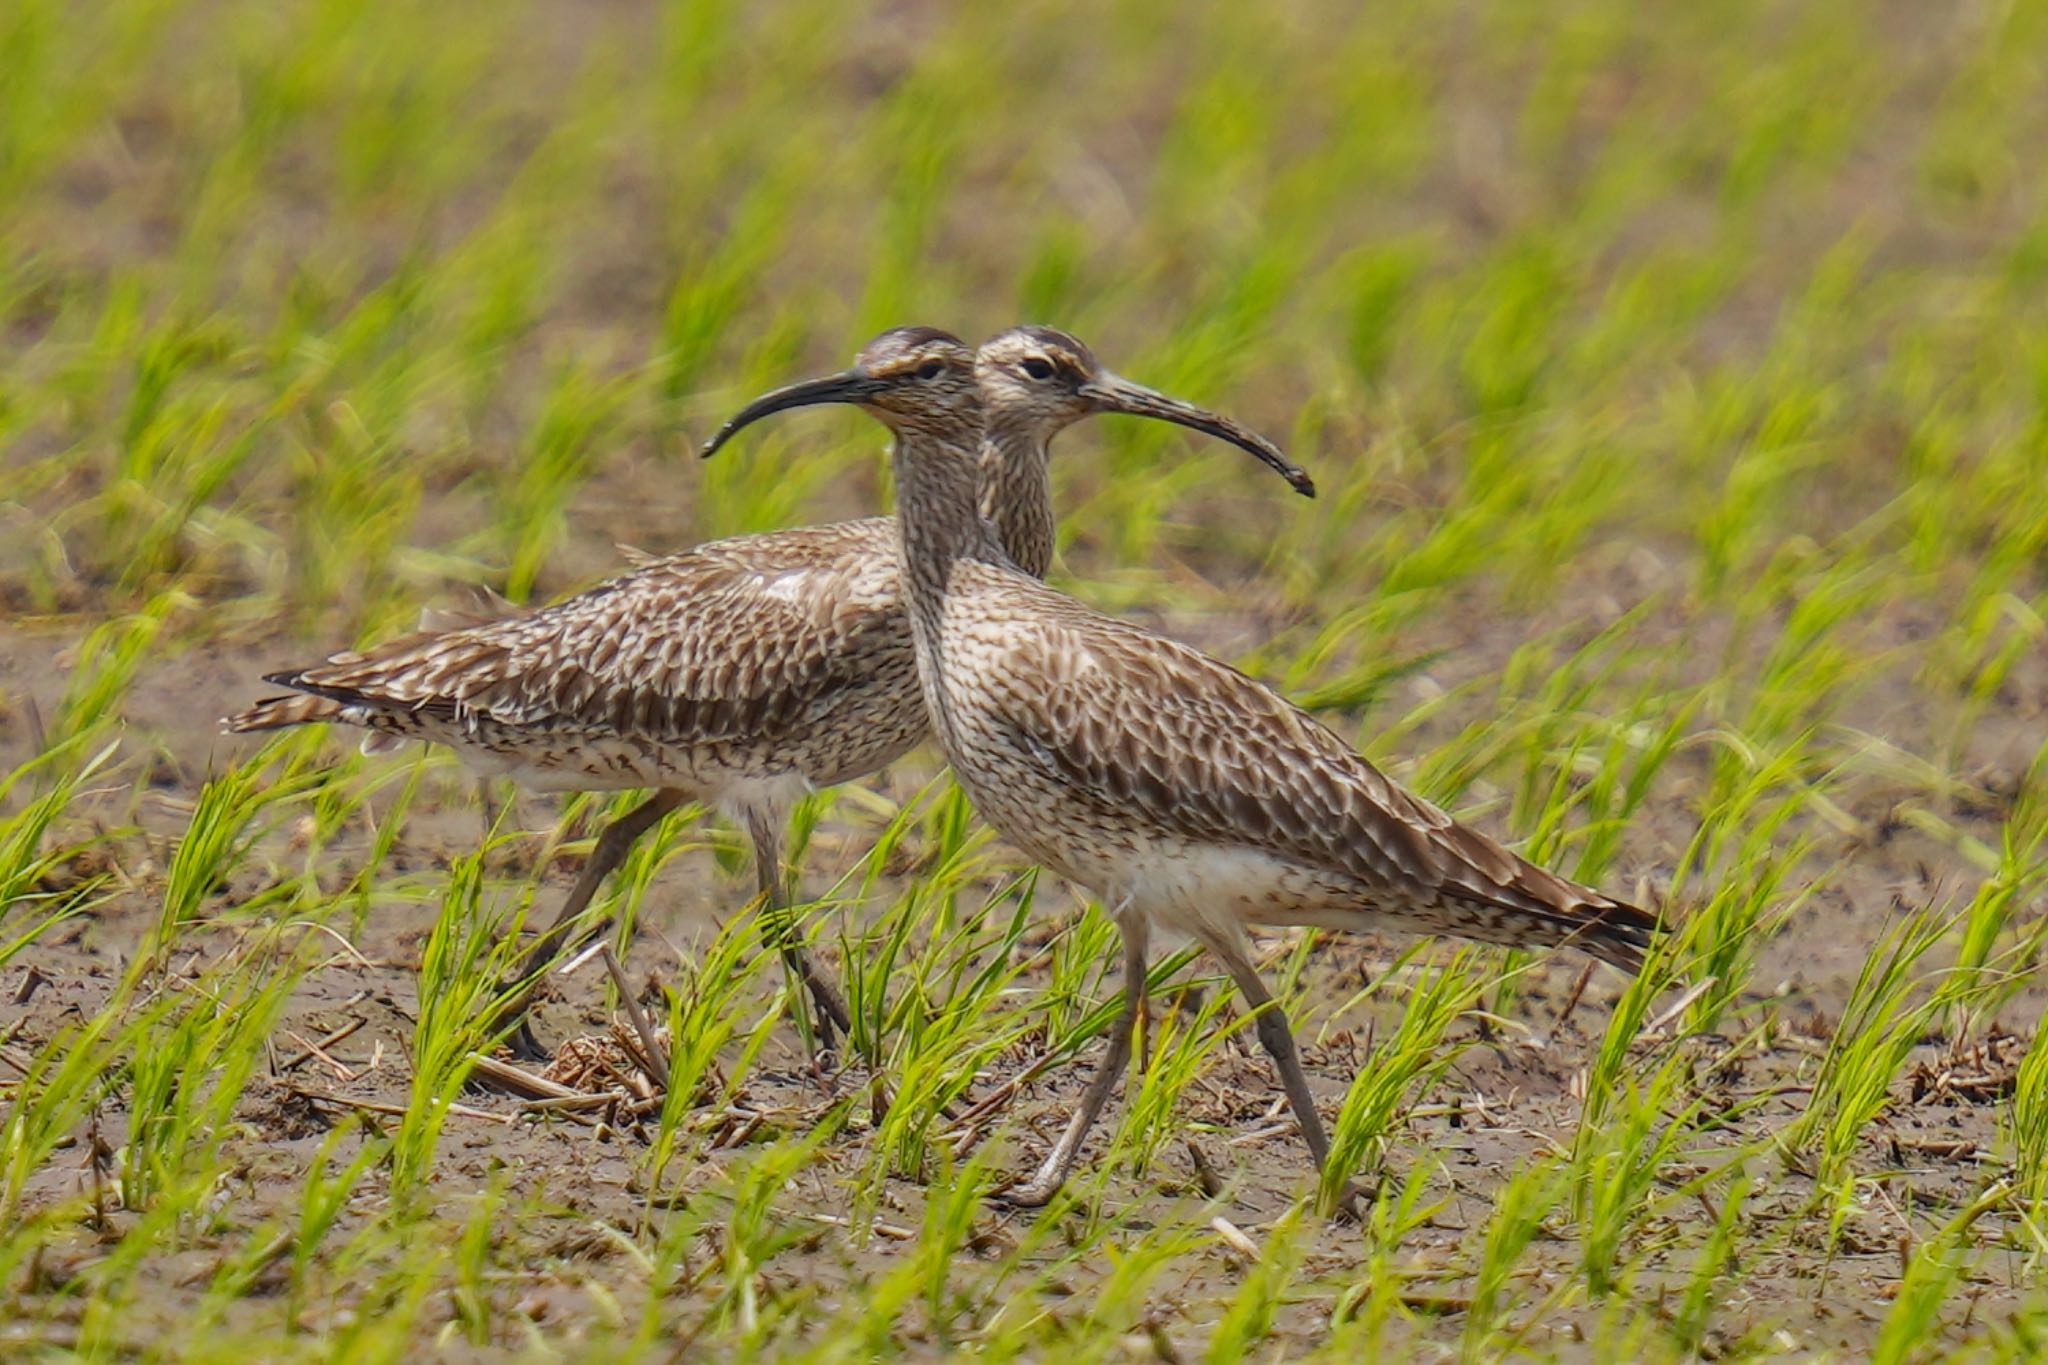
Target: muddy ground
{"points": [[1510, 1095]]}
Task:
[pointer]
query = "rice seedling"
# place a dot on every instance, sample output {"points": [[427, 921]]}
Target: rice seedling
{"points": [[1397, 1071], [2027, 1130], [1381, 1294], [706, 1013], [1176, 1048], [1637, 1163], [1936, 1266], [946, 1023], [1707, 1283], [1673, 383], [192, 1060], [1519, 1211], [27, 861], [218, 837], [462, 961], [323, 1200], [1879, 1026]]}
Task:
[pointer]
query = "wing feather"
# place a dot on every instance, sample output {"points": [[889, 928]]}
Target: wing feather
{"points": [[732, 640], [1191, 748]]}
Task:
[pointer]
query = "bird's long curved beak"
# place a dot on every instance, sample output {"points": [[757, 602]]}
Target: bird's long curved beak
{"points": [[848, 386], [1113, 393]]}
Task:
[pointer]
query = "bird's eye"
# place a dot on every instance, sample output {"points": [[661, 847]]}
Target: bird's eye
{"points": [[1038, 367], [929, 370]]}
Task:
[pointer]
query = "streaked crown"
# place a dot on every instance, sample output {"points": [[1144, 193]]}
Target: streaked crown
{"points": [[901, 352], [1040, 354], [1031, 377], [927, 380]]}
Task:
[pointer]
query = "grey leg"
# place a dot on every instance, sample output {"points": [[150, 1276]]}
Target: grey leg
{"points": [[1059, 1162], [765, 830], [613, 844], [487, 806], [1277, 1037]]}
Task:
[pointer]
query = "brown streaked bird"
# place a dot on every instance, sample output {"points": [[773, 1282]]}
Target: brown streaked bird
{"points": [[1182, 793], [741, 673]]}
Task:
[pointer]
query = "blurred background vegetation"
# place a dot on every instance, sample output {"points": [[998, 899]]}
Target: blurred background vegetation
{"points": [[1675, 377], [309, 305]]}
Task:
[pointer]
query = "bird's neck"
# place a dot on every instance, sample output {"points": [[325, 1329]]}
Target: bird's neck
{"points": [[1016, 496], [938, 511]]}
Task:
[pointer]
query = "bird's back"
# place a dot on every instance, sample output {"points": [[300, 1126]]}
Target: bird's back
{"points": [[781, 652], [1121, 757]]}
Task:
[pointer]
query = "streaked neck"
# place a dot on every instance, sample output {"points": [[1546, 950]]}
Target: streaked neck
{"points": [[1016, 496], [938, 507]]}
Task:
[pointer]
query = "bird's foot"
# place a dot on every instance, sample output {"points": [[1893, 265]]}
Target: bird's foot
{"points": [[1351, 1205], [525, 1045], [1031, 1194], [1034, 1193]]}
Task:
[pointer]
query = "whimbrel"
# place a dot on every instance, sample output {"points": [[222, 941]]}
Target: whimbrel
{"points": [[1182, 793], [740, 673]]}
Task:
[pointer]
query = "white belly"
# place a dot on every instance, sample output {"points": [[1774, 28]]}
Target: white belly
{"points": [[609, 766], [1208, 892]]}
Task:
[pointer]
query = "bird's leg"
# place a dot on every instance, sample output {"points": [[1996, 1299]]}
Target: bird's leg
{"points": [[1276, 1035], [1059, 1162], [487, 804], [613, 843], [766, 833]]}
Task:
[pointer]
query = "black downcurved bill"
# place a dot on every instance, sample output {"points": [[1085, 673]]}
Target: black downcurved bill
{"points": [[1113, 393], [848, 386]]}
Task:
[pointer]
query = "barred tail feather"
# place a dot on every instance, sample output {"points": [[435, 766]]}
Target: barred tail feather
{"points": [[282, 713], [1612, 931], [1608, 930]]}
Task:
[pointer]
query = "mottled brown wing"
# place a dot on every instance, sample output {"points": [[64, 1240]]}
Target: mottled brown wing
{"points": [[735, 639], [1194, 748]]}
